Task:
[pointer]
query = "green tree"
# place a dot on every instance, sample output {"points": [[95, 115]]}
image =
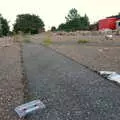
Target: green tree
{"points": [[62, 27], [28, 23], [4, 27], [73, 14], [53, 28], [84, 22], [75, 22]]}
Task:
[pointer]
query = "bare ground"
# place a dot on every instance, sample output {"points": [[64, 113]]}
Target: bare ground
{"points": [[98, 54], [11, 87]]}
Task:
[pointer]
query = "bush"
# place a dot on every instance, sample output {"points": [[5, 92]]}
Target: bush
{"points": [[53, 28], [28, 23]]}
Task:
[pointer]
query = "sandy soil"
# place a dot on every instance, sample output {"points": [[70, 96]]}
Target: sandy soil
{"points": [[11, 87], [98, 54]]}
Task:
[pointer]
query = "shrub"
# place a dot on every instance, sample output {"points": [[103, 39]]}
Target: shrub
{"points": [[53, 28]]}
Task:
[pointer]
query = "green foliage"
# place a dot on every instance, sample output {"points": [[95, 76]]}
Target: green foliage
{"points": [[28, 23], [75, 22], [82, 41], [53, 28], [85, 22], [73, 14], [4, 27], [64, 27]]}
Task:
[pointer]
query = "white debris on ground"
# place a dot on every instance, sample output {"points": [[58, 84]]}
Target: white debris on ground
{"points": [[108, 37], [113, 76], [106, 72], [29, 107]]}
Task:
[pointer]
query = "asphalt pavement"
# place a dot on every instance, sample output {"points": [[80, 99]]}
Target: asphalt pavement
{"points": [[69, 90]]}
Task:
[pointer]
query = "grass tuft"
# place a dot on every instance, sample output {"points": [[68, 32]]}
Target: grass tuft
{"points": [[47, 42], [82, 41]]}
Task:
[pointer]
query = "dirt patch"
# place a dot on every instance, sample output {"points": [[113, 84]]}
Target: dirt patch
{"points": [[11, 87]]}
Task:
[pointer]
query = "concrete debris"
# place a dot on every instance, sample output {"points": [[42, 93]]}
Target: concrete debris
{"points": [[27, 108]]}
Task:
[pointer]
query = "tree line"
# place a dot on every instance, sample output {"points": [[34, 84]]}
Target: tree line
{"points": [[33, 24], [75, 22]]}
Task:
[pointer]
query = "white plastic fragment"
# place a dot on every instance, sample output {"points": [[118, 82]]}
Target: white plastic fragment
{"points": [[24, 109], [106, 72], [108, 37], [113, 76]]}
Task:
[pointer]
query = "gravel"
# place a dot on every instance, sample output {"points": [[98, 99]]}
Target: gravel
{"points": [[98, 54], [69, 90], [11, 87]]}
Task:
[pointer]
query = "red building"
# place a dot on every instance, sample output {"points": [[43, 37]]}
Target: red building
{"points": [[109, 23]]}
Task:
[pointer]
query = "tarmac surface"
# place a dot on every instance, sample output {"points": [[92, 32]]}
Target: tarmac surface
{"points": [[69, 90]]}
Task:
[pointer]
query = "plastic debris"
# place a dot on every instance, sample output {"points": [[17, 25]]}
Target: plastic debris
{"points": [[113, 76], [106, 72], [109, 37], [27, 108]]}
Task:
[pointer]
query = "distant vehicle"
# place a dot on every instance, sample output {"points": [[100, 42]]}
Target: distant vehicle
{"points": [[111, 23]]}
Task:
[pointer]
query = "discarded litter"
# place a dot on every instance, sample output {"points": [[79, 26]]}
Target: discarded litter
{"points": [[109, 37], [113, 76], [106, 73], [24, 109]]}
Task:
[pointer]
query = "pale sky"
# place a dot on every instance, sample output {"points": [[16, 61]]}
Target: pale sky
{"points": [[53, 12]]}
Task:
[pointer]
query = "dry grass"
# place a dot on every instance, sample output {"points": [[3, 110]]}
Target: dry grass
{"points": [[47, 42], [82, 41]]}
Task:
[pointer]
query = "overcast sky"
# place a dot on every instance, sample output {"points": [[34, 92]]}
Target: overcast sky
{"points": [[53, 12]]}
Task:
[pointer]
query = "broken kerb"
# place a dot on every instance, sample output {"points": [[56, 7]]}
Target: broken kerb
{"points": [[27, 108]]}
